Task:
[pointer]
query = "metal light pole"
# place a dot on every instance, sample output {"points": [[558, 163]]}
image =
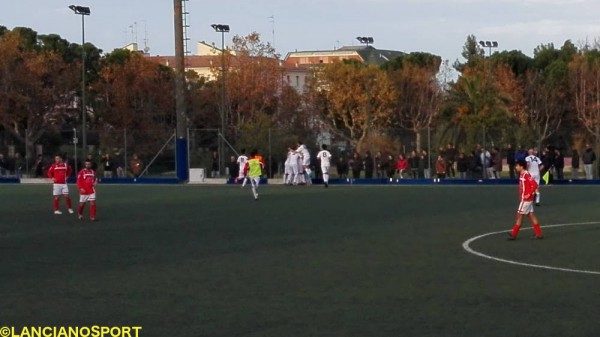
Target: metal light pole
{"points": [[220, 28], [181, 146], [83, 11], [489, 45]]}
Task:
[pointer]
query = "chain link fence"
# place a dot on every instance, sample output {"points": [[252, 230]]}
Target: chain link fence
{"points": [[389, 153]]}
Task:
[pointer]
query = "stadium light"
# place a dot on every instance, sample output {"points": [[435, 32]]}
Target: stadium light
{"points": [[489, 45], [365, 40], [83, 11], [221, 28]]}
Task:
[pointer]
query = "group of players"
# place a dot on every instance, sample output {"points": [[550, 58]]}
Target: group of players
{"points": [[59, 172], [297, 165]]}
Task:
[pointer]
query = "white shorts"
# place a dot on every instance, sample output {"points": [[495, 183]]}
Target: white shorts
{"points": [[536, 177], [255, 181], [306, 161], [325, 169], [525, 207], [60, 189], [87, 197]]}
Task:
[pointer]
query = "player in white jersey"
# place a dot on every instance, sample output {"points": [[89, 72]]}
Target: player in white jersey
{"points": [[294, 167], [534, 166], [303, 151], [242, 160], [287, 172], [325, 157]]}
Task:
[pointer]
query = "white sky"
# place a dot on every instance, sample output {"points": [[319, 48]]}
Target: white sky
{"points": [[436, 26]]}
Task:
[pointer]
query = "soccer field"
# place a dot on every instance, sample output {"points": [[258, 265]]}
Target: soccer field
{"points": [[303, 261]]}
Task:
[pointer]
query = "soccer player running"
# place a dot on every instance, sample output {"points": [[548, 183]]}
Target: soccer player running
{"points": [[325, 158], [86, 182], [534, 166], [527, 188], [254, 170], [59, 172], [242, 159]]}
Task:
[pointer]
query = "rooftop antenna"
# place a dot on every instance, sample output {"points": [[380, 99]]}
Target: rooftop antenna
{"points": [[272, 20], [133, 32], [146, 47]]}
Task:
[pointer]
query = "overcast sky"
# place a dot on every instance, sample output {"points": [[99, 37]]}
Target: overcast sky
{"points": [[436, 26]]}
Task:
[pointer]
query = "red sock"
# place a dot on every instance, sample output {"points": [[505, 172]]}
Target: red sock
{"points": [[80, 209], [56, 204], [93, 211], [537, 230], [515, 230], [68, 202]]}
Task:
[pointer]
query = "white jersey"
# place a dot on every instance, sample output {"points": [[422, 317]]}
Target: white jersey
{"points": [[303, 151], [325, 158], [533, 165], [242, 160], [294, 158]]}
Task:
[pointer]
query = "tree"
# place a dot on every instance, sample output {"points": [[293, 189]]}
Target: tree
{"points": [[418, 93], [585, 81], [353, 100], [472, 53], [136, 94], [477, 102], [253, 79], [36, 87]]}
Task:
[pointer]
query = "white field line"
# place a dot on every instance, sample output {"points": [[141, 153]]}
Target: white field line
{"points": [[466, 246]]}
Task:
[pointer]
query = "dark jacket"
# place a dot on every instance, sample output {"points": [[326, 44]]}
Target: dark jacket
{"points": [[589, 157], [575, 160]]}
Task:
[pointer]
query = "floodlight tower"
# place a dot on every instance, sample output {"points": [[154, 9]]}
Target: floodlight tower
{"points": [[368, 40], [221, 28], [489, 45], [83, 11]]}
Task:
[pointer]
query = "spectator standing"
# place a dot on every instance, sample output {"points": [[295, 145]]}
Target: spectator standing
{"points": [[39, 166], [440, 167], [214, 167], [413, 163], [110, 167], [390, 167], [356, 164], [559, 164], [379, 162], [575, 164], [233, 167], [425, 165], [369, 165], [19, 164], [3, 166], [120, 163], [510, 160], [136, 165], [462, 165], [589, 157], [401, 166], [342, 168], [497, 162], [451, 156]]}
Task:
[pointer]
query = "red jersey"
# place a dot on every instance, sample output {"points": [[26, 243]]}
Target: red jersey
{"points": [[86, 180], [527, 186], [59, 173], [402, 164]]}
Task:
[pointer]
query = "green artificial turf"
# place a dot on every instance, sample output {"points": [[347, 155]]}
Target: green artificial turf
{"points": [[301, 261]]}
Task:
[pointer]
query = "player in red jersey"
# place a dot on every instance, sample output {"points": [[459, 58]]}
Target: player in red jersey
{"points": [[527, 188], [59, 172], [86, 182]]}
